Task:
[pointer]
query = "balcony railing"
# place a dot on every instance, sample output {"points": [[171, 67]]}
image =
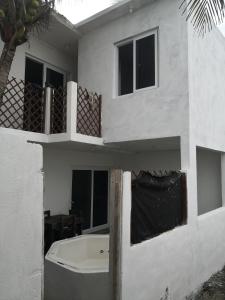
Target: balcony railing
{"points": [[69, 109], [88, 113]]}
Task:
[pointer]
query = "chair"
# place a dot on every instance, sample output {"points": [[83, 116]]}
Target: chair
{"points": [[67, 227]]}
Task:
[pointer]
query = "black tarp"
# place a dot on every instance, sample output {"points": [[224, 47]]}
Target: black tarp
{"points": [[158, 204]]}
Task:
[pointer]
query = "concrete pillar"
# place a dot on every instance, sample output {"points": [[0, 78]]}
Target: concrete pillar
{"points": [[48, 110], [223, 177], [188, 166], [126, 230], [71, 107]]}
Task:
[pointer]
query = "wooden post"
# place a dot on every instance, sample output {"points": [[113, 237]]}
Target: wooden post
{"points": [[116, 190]]}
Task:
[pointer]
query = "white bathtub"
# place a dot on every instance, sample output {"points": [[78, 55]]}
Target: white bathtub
{"points": [[77, 269]]}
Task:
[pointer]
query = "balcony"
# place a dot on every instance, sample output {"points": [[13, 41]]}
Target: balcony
{"points": [[63, 114]]}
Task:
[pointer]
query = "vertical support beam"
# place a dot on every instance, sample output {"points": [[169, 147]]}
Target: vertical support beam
{"points": [[189, 166], [223, 177], [71, 123], [48, 93], [116, 191], [100, 116]]}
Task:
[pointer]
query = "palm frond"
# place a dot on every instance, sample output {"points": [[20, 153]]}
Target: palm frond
{"points": [[41, 21], [204, 14], [20, 17]]}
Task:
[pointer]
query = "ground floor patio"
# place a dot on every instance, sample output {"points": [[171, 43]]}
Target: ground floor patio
{"points": [[36, 178]]}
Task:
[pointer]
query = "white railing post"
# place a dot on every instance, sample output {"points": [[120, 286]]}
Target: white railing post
{"points": [[71, 107], [48, 110]]}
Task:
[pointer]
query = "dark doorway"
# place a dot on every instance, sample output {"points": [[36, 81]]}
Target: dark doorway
{"points": [[90, 197], [100, 198], [33, 118], [55, 80], [81, 196]]}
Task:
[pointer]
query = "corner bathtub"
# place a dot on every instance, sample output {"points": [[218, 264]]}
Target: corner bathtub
{"points": [[78, 269]]}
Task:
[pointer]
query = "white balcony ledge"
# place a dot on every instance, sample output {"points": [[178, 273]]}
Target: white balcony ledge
{"points": [[54, 138], [68, 114]]}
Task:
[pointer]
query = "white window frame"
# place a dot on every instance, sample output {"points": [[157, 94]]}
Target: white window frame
{"points": [[134, 40], [46, 66]]}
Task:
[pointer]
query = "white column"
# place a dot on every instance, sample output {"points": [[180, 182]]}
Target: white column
{"points": [[189, 166], [223, 177], [48, 110], [71, 107]]}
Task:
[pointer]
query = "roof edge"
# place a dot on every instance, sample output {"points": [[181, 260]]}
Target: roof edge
{"points": [[64, 21], [102, 13], [113, 12]]}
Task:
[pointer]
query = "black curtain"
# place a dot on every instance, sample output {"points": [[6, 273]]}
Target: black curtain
{"points": [[158, 204]]}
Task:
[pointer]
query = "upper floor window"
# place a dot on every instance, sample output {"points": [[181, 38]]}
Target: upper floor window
{"points": [[137, 63]]}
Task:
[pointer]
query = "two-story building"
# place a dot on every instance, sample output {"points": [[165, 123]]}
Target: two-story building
{"points": [[150, 96]]}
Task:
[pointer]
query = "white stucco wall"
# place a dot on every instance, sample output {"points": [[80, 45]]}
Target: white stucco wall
{"points": [[209, 180], [44, 52], [21, 211], [149, 113], [155, 161], [179, 260], [58, 166], [207, 89]]}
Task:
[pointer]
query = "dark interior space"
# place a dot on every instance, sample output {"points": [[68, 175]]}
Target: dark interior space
{"points": [[34, 72], [33, 118], [145, 62], [100, 207], [89, 208], [126, 69], [90, 197], [81, 196], [54, 79]]}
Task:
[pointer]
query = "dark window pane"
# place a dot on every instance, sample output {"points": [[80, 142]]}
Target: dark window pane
{"points": [[33, 96], [54, 79], [145, 62], [100, 205], [126, 69], [81, 196], [34, 72]]}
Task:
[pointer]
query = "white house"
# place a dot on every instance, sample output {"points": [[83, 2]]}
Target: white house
{"points": [[161, 108]]}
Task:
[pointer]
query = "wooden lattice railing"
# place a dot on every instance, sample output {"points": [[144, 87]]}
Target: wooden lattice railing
{"points": [[26, 106], [58, 110], [88, 113], [22, 106]]}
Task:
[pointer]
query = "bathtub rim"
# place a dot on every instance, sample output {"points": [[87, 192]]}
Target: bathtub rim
{"points": [[51, 255]]}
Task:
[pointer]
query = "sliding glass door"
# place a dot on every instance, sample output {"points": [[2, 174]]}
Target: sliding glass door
{"points": [[90, 198], [38, 75]]}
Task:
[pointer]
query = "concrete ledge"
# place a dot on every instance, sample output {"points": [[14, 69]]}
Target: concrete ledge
{"points": [[54, 138]]}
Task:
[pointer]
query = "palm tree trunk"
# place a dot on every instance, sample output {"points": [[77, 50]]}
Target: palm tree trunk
{"points": [[6, 60]]}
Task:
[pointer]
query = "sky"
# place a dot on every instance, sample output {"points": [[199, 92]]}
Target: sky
{"points": [[78, 10]]}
